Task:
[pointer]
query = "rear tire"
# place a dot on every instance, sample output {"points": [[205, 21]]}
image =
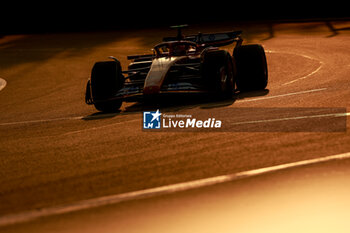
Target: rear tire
{"points": [[251, 66], [106, 80]]}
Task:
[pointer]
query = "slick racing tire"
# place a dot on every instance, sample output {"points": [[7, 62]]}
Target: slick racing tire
{"points": [[218, 72], [251, 66], [108, 106], [106, 80]]}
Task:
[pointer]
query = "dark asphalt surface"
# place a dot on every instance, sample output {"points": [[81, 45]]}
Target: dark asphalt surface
{"points": [[56, 150]]}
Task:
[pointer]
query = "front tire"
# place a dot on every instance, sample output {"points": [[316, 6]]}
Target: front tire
{"points": [[108, 106], [106, 80], [218, 72]]}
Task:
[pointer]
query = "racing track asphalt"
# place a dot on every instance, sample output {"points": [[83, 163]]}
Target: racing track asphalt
{"points": [[55, 150]]}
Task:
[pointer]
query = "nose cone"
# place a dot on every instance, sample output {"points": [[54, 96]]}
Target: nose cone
{"points": [[151, 90]]}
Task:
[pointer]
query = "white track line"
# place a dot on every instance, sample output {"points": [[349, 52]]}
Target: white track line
{"points": [[49, 120], [152, 192], [293, 118], [42, 121], [100, 127], [282, 95], [321, 63], [304, 77], [2, 83]]}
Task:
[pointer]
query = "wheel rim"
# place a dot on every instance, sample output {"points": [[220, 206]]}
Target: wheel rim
{"points": [[223, 79], [230, 76]]}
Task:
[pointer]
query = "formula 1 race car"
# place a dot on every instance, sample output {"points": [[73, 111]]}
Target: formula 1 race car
{"points": [[180, 65]]}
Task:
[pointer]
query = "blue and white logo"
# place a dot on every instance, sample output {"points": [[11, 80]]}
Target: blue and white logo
{"points": [[151, 120]]}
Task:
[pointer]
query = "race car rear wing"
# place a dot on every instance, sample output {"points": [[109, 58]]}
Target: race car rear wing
{"points": [[211, 39]]}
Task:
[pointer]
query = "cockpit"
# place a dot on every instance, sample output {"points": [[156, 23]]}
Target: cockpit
{"points": [[178, 48]]}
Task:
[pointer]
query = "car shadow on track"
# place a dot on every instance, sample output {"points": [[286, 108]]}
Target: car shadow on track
{"points": [[100, 115], [251, 94], [178, 103]]}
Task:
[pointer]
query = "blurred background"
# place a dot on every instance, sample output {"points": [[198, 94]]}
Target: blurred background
{"points": [[65, 16]]}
